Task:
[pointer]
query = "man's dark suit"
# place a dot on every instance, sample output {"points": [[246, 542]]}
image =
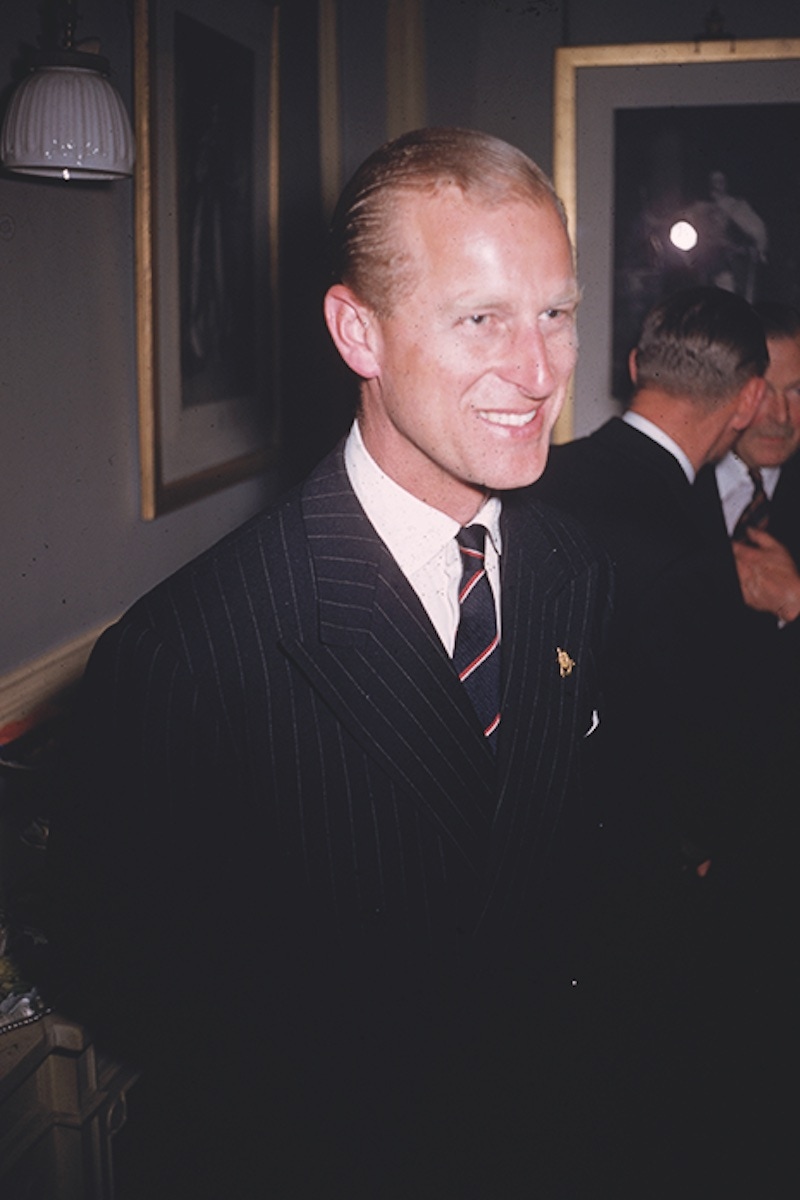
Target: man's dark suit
{"points": [[673, 686], [287, 823], [784, 524], [682, 763], [775, 653], [784, 518]]}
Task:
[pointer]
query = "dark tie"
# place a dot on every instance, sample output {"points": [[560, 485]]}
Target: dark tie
{"points": [[477, 651], [756, 513]]}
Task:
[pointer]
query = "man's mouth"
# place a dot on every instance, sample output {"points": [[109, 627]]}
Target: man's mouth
{"points": [[515, 420]]}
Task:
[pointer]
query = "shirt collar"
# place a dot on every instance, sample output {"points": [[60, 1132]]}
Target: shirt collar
{"points": [[414, 531], [732, 472], [657, 434]]}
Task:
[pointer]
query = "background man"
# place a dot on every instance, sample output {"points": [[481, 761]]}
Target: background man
{"points": [[697, 381], [677, 769], [755, 491], [758, 482], [306, 864]]}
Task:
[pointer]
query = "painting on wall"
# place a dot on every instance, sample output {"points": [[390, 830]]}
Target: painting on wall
{"points": [[206, 245], [701, 197], [672, 163]]}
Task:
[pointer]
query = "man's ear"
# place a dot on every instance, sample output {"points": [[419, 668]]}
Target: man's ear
{"points": [[748, 401], [632, 368], [352, 326]]}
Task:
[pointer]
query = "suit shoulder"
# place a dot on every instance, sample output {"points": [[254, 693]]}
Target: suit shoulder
{"points": [[564, 532], [251, 568]]}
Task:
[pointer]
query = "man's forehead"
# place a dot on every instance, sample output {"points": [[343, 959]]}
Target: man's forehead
{"points": [[782, 348], [427, 224]]}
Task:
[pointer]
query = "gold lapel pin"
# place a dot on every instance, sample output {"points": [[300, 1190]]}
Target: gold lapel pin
{"points": [[565, 663]]}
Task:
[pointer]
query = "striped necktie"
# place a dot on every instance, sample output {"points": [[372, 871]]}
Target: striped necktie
{"points": [[756, 513], [476, 657]]}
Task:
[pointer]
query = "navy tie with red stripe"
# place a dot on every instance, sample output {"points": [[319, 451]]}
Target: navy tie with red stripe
{"points": [[477, 651]]}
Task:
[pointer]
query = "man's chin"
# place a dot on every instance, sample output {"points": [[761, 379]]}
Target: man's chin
{"points": [[512, 481]]}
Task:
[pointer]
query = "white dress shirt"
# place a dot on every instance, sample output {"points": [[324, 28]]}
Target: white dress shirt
{"points": [[656, 434], [421, 539], [736, 486]]}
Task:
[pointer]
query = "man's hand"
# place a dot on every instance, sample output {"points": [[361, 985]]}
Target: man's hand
{"points": [[768, 577]]}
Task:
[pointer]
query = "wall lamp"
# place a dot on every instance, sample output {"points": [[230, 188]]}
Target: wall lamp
{"points": [[65, 120]]}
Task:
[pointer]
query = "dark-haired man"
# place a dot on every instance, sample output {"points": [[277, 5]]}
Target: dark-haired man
{"points": [[697, 373], [678, 759], [301, 842]]}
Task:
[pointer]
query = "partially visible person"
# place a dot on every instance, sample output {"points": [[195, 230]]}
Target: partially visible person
{"points": [[759, 480], [680, 766], [697, 375], [754, 492]]}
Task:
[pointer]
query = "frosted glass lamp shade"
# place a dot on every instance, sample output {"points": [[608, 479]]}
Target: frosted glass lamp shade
{"points": [[67, 122]]}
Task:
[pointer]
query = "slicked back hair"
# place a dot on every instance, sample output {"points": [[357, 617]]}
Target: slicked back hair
{"points": [[702, 343], [366, 252]]}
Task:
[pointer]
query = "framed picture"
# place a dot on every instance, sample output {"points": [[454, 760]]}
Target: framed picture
{"points": [[206, 80], [676, 167]]}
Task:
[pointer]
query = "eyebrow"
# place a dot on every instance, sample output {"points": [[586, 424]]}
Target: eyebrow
{"points": [[572, 294]]}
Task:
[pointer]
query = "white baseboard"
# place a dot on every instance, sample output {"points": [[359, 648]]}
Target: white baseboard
{"points": [[38, 683]]}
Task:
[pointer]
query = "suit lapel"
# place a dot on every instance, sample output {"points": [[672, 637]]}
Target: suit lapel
{"points": [[366, 645]]}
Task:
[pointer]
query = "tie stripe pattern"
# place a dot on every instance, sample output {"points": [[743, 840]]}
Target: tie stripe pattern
{"points": [[756, 514], [476, 657]]}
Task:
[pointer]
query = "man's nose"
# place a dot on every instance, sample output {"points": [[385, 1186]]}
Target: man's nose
{"points": [[529, 363], [777, 405]]}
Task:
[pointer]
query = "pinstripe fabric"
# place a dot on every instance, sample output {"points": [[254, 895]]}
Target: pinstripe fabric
{"points": [[281, 721]]}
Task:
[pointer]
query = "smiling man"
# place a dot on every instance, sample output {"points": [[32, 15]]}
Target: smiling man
{"points": [[344, 747], [465, 373]]}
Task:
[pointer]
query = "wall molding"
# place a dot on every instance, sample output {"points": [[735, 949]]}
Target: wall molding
{"points": [[33, 687]]}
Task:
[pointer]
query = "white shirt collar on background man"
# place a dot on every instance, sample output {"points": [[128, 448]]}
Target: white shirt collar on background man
{"points": [[421, 539], [736, 487], [656, 434]]}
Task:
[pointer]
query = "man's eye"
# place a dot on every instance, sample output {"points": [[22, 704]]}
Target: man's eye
{"points": [[478, 318]]}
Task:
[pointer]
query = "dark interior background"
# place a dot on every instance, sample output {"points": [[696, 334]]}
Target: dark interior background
{"points": [[74, 550]]}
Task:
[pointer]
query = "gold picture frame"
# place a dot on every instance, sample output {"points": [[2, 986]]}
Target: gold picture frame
{"points": [[206, 224], [591, 85]]}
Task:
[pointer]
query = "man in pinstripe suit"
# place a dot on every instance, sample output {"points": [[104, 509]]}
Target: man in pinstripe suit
{"points": [[292, 850]]}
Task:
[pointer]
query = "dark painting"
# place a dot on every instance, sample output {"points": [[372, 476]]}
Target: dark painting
{"points": [[214, 89], [703, 196]]}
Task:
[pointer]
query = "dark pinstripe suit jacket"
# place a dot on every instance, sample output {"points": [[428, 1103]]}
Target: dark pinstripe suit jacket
{"points": [[281, 779], [288, 683]]}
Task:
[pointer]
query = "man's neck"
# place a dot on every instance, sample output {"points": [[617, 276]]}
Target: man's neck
{"points": [[690, 427]]}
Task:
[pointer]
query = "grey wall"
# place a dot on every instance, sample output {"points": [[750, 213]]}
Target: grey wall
{"points": [[73, 550]]}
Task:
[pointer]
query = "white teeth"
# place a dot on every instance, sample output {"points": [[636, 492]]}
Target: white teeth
{"points": [[504, 418]]}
